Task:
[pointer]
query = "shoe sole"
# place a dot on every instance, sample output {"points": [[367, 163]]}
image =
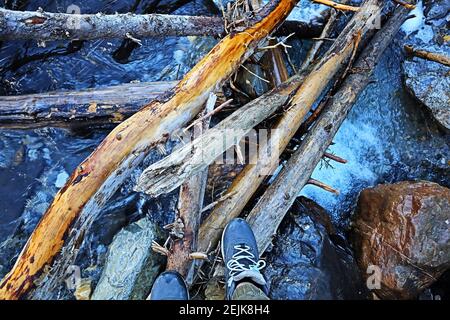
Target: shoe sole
{"points": [[221, 244]]}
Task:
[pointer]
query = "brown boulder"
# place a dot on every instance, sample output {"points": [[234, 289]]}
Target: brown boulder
{"points": [[403, 229]]}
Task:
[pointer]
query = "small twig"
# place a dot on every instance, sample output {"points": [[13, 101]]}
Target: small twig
{"points": [[135, 40], [322, 185], [254, 74], [337, 6], [334, 157], [280, 43], [431, 56], [156, 247], [198, 256], [323, 39], [213, 204], [209, 114], [405, 4]]}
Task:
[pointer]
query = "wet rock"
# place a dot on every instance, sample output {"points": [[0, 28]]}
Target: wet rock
{"points": [[131, 266], [403, 229], [429, 82], [309, 260]]}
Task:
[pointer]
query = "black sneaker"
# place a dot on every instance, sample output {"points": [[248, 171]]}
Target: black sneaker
{"points": [[169, 285], [240, 255]]}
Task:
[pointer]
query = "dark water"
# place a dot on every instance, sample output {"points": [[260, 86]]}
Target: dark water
{"points": [[387, 136], [35, 163]]}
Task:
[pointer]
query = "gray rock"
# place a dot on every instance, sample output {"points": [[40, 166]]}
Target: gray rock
{"points": [[306, 264], [429, 82], [131, 266]]}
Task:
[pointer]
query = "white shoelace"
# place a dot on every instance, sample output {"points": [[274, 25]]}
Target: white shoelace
{"points": [[234, 266]]}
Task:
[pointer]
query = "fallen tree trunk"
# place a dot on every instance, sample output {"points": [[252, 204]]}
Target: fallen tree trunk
{"points": [[109, 105], [279, 197], [184, 233], [93, 183], [251, 177], [46, 26], [168, 174]]}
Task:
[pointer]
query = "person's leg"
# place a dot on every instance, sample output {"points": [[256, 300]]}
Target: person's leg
{"points": [[169, 285], [244, 280]]}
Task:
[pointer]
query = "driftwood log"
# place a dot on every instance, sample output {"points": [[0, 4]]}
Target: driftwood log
{"points": [[95, 180], [251, 177], [168, 174], [279, 197], [46, 26], [100, 106], [184, 230]]}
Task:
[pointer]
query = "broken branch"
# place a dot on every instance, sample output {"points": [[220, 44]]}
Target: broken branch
{"points": [[337, 6], [46, 26], [280, 196], [102, 106], [94, 182], [431, 56], [251, 177]]}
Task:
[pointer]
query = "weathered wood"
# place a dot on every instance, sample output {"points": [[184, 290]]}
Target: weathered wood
{"points": [[327, 29], [337, 6], [279, 197], [427, 55], [101, 106], [190, 204], [250, 178], [95, 180], [46, 26], [170, 172]]}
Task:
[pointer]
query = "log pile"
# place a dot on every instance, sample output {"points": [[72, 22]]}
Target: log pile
{"points": [[287, 108]]}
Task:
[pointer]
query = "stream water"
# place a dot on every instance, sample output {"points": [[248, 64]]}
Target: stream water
{"points": [[387, 137]]}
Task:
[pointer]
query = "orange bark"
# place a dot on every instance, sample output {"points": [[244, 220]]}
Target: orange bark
{"points": [[99, 176]]}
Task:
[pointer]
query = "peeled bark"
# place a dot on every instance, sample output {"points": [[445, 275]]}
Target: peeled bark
{"points": [[102, 106], [94, 182], [46, 26], [169, 173], [279, 197], [250, 178]]}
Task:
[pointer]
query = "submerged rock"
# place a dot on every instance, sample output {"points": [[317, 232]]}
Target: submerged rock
{"points": [[131, 266], [403, 229], [307, 261]]}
